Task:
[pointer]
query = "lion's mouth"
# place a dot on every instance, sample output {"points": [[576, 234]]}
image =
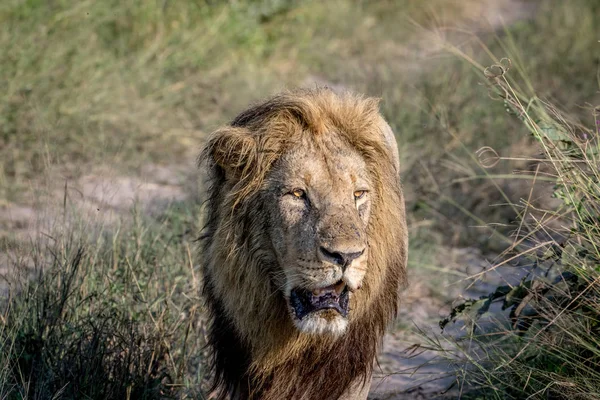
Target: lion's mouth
{"points": [[333, 297]]}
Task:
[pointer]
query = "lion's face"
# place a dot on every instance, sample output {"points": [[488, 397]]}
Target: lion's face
{"points": [[321, 207]]}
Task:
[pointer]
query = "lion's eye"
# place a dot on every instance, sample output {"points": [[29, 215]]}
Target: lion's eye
{"points": [[299, 193], [359, 194]]}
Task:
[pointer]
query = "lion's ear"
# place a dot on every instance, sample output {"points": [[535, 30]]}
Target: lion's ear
{"points": [[234, 150], [390, 140]]}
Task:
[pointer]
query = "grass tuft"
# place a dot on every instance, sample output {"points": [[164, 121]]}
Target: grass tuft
{"points": [[105, 315]]}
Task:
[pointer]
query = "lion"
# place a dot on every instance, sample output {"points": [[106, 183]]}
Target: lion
{"points": [[304, 248]]}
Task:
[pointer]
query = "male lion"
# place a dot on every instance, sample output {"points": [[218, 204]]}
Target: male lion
{"points": [[305, 246]]}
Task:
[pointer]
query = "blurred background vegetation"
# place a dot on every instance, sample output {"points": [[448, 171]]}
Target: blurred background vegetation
{"points": [[98, 92]]}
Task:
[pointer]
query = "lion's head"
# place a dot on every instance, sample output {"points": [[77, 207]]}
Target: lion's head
{"points": [[305, 242]]}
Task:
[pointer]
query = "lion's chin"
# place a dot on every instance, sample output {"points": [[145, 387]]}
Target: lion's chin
{"points": [[325, 322]]}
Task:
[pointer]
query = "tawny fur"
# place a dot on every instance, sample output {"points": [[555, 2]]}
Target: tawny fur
{"points": [[257, 352]]}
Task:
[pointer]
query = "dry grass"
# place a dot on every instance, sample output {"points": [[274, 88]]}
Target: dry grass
{"points": [[104, 314], [546, 345]]}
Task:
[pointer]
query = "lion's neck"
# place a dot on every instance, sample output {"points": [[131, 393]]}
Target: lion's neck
{"points": [[292, 365]]}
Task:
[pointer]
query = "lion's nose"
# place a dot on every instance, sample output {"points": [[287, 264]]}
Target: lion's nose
{"points": [[340, 258]]}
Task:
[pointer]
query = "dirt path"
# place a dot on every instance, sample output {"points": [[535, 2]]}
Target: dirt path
{"points": [[102, 198], [407, 369]]}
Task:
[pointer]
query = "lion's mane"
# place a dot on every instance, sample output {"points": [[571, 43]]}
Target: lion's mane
{"points": [[256, 351]]}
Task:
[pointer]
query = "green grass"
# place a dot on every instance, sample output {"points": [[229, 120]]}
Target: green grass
{"points": [[88, 84], [106, 314], [116, 82]]}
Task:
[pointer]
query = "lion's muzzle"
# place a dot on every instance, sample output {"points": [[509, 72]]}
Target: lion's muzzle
{"points": [[334, 297]]}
